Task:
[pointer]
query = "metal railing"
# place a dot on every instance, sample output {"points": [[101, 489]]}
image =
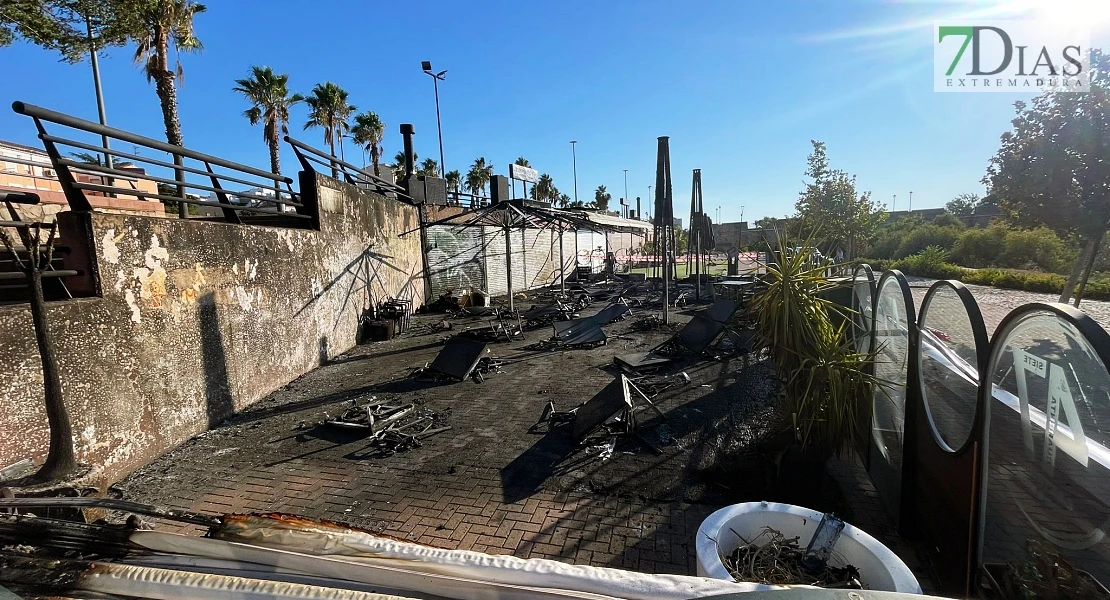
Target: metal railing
{"points": [[13, 258], [254, 201], [309, 157], [468, 200]]}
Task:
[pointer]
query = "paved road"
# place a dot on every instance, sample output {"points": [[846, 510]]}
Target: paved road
{"points": [[996, 303]]}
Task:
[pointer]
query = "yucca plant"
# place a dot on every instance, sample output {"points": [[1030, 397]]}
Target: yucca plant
{"points": [[825, 378]]}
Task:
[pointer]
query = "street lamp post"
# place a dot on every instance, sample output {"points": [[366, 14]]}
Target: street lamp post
{"points": [[574, 166], [909, 209], [626, 187], [436, 78]]}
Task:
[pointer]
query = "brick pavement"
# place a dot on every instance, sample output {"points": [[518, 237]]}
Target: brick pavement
{"points": [[490, 484]]}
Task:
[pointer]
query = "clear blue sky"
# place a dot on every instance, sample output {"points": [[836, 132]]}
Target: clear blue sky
{"points": [[740, 87]]}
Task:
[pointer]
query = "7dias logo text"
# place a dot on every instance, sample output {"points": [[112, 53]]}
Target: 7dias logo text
{"points": [[1010, 56]]}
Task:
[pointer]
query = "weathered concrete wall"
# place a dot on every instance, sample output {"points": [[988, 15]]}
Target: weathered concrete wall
{"points": [[199, 319]]}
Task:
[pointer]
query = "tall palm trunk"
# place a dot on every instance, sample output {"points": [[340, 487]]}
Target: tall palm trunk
{"points": [[374, 156], [275, 153], [60, 458], [164, 87], [331, 143]]}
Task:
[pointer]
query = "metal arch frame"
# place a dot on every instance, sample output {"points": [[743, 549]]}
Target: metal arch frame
{"points": [[864, 414], [1091, 331], [945, 515], [896, 506], [873, 289], [982, 353]]}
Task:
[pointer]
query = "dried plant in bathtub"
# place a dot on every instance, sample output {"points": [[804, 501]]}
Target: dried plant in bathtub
{"points": [[773, 559]]}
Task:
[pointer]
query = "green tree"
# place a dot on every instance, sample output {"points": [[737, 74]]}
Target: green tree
{"points": [[270, 99], [564, 200], [520, 160], [765, 223], [1053, 168], [545, 190], [63, 25], [831, 205], [962, 205], [329, 110], [158, 26], [602, 198], [453, 178], [369, 131], [399, 164], [478, 176], [89, 159], [428, 168]]}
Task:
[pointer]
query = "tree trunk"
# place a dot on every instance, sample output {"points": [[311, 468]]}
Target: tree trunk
{"points": [[275, 155], [167, 94], [60, 458], [334, 171], [374, 156], [1090, 264], [1089, 249]]}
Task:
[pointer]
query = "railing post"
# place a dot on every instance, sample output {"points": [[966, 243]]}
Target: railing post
{"points": [[179, 177], [229, 213], [75, 197]]}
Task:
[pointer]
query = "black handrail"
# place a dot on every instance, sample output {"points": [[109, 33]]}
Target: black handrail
{"points": [[218, 194], [354, 175], [45, 114]]}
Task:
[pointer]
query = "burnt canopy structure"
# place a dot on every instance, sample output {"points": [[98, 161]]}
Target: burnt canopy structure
{"points": [[518, 214]]}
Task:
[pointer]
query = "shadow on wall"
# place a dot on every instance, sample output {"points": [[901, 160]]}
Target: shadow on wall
{"points": [[219, 404]]}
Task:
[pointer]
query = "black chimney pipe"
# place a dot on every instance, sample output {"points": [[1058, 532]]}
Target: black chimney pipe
{"points": [[407, 131]]}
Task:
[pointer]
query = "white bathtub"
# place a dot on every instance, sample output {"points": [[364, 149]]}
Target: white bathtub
{"points": [[880, 569]]}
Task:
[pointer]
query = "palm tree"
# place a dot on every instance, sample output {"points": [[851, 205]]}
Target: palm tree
{"points": [[564, 200], [328, 109], [478, 176], [399, 163], [602, 198], [159, 24], [522, 162], [428, 168], [269, 96], [453, 178], [544, 190], [368, 132]]}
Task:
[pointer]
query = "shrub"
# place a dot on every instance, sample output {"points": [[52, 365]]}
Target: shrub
{"points": [[1040, 247], [876, 264], [930, 262], [925, 236], [979, 247], [948, 220]]}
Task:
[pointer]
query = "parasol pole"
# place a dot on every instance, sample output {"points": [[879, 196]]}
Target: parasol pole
{"points": [[509, 268], [562, 265]]}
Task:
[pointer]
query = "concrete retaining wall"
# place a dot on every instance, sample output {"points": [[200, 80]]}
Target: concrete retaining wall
{"points": [[196, 320]]}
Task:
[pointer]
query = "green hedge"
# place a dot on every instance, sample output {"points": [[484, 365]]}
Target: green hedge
{"points": [[928, 264]]}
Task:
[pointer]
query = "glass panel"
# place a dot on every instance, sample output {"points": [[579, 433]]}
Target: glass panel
{"points": [[862, 286], [1048, 462], [948, 365], [892, 345]]}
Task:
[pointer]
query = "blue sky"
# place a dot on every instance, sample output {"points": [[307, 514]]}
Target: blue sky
{"points": [[740, 87]]}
